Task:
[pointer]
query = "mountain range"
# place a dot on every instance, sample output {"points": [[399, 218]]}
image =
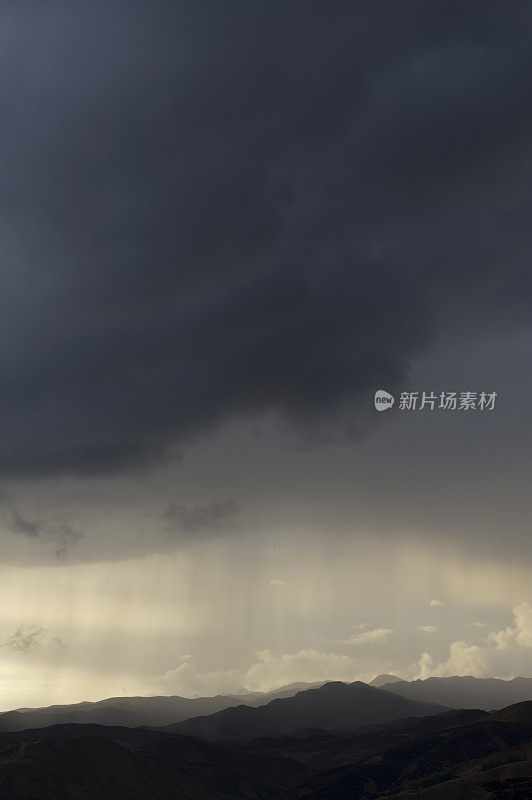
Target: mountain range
{"points": [[454, 692], [333, 706], [453, 755], [465, 691], [136, 711], [382, 680]]}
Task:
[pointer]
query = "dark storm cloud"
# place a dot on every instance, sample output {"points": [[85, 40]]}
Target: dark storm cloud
{"points": [[214, 209], [196, 518]]}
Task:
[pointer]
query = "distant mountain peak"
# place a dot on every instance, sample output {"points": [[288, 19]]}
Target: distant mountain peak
{"points": [[331, 685], [381, 680], [335, 706], [465, 691]]}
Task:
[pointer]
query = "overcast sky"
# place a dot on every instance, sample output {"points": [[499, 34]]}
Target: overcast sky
{"points": [[223, 227]]}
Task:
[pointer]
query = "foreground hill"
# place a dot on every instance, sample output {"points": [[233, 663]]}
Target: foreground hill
{"points": [[88, 768], [227, 771], [465, 692], [334, 706], [136, 711], [122, 735], [456, 755], [171, 768], [197, 766], [486, 759]]}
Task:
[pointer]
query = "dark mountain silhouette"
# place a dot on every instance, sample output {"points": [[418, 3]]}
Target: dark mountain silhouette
{"points": [[325, 750], [519, 713], [228, 771], [455, 755], [382, 680], [155, 766], [455, 692], [136, 711], [451, 758], [334, 706], [88, 768], [465, 692], [124, 736]]}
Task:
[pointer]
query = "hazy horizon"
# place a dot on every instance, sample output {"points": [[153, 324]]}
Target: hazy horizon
{"points": [[241, 692]]}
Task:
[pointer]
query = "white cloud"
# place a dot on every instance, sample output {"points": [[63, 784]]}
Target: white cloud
{"points": [[308, 665], [434, 603], [368, 637], [463, 659], [275, 582], [501, 654], [424, 667], [268, 672], [519, 633], [188, 681], [478, 624]]}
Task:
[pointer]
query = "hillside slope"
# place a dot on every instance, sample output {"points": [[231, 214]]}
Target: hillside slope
{"points": [[465, 692], [136, 711], [88, 768], [334, 706]]}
